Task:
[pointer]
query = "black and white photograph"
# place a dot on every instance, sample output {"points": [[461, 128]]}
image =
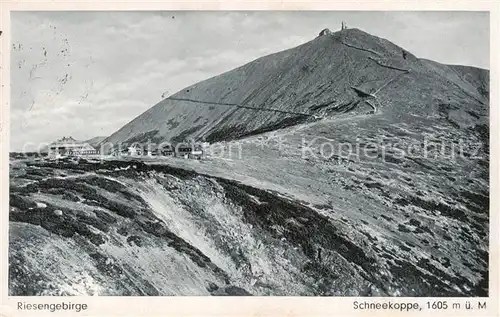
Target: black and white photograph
{"points": [[249, 153]]}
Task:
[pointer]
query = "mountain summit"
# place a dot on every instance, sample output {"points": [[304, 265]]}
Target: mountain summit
{"points": [[349, 71]]}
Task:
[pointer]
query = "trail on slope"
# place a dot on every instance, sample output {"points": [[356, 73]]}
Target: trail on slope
{"points": [[241, 106], [361, 48]]}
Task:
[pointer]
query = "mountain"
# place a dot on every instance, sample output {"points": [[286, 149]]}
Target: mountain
{"points": [[95, 141], [311, 81]]}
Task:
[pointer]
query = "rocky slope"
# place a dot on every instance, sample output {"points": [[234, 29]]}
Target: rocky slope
{"points": [[126, 228], [130, 229]]}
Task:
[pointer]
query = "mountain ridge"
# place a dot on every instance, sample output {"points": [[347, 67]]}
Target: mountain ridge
{"points": [[95, 141]]}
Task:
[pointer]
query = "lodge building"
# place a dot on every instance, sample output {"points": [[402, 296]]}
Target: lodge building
{"points": [[67, 146]]}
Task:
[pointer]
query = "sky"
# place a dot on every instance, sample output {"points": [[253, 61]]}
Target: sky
{"points": [[86, 74]]}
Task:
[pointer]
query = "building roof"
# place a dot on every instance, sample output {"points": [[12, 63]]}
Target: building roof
{"points": [[70, 142]]}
